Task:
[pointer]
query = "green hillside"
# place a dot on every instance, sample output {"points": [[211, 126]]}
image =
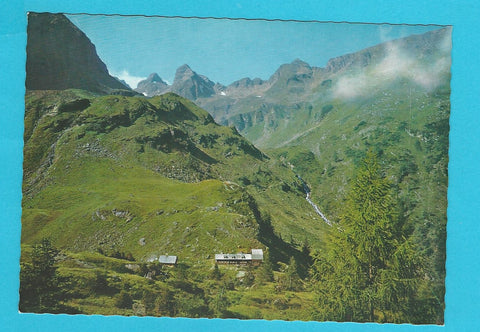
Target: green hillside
{"points": [[105, 172], [410, 136], [111, 182], [392, 98], [134, 178]]}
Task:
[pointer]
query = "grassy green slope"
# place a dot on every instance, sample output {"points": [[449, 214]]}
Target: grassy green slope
{"points": [[408, 128], [396, 103], [113, 208], [406, 132], [92, 283], [155, 176]]}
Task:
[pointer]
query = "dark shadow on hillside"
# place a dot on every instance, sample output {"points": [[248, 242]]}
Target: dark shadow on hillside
{"points": [[279, 250]]}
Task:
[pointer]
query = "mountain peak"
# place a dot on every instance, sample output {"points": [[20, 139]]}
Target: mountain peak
{"points": [[60, 56], [300, 63], [290, 70], [184, 73], [184, 70], [190, 85], [154, 78], [152, 85]]}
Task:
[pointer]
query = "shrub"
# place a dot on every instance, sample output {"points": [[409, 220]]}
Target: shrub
{"points": [[123, 300]]}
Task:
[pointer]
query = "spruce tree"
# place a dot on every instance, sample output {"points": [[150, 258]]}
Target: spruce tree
{"points": [[265, 271], [216, 274], [369, 269], [39, 289], [367, 226], [292, 277], [220, 303]]}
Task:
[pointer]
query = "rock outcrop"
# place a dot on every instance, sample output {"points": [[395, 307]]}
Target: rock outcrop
{"points": [[60, 56], [190, 85], [153, 85]]}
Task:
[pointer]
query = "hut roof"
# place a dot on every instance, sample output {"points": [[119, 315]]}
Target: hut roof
{"points": [[257, 254], [167, 259], [237, 257]]}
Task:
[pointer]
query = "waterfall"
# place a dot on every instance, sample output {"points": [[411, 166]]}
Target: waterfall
{"points": [[315, 207]]}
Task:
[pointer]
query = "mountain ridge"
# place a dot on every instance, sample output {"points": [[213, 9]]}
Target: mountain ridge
{"points": [[302, 71], [60, 56]]}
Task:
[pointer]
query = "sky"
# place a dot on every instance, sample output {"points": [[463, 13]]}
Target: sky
{"points": [[224, 50]]}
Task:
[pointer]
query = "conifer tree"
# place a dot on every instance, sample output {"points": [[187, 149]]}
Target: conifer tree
{"points": [[38, 279], [220, 303], [216, 274], [265, 271], [292, 277], [369, 269]]}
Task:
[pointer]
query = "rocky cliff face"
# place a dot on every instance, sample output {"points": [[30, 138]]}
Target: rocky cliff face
{"points": [[189, 84], [417, 46], [297, 68], [360, 59], [60, 56], [152, 86]]}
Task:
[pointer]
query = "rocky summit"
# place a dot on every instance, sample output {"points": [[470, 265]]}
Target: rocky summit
{"points": [[152, 86], [60, 56], [189, 84]]}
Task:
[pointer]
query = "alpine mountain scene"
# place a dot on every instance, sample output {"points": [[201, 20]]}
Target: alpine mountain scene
{"points": [[247, 169]]}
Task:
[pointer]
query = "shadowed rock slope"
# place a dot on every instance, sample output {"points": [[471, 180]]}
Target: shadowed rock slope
{"points": [[60, 56]]}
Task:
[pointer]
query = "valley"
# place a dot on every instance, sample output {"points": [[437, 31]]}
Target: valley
{"points": [[336, 173]]}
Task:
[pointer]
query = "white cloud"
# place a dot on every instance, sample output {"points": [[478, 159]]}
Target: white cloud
{"points": [[446, 44], [397, 63], [131, 80], [351, 86], [385, 32]]}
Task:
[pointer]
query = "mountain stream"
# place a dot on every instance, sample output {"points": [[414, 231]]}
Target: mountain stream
{"points": [[315, 207]]}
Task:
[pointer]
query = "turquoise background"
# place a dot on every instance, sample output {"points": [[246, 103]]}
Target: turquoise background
{"points": [[463, 263]]}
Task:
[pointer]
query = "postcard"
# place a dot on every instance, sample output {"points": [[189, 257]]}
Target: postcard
{"points": [[235, 169]]}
